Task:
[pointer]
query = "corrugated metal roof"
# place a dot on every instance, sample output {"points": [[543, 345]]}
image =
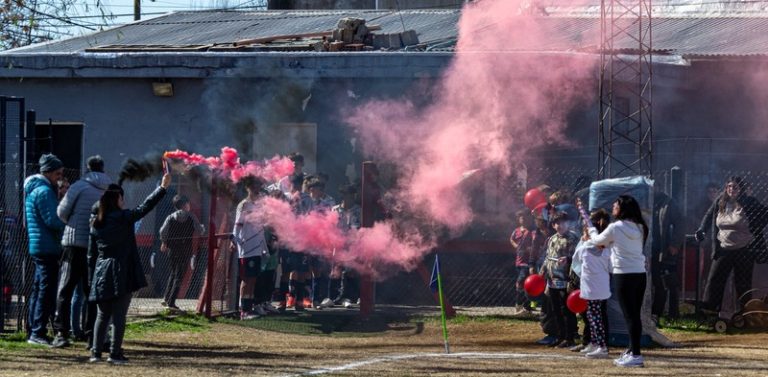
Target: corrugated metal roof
{"points": [[687, 37], [218, 27]]}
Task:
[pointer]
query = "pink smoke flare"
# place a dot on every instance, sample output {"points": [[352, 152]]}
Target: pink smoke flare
{"points": [[495, 103], [373, 250], [228, 164]]}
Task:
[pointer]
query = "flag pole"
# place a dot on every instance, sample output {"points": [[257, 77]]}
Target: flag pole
{"points": [[442, 306]]}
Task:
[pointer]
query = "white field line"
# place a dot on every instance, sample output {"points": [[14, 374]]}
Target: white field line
{"points": [[462, 355]]}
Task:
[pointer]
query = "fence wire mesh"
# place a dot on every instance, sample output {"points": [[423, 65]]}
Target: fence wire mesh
{"points": [[478, 268]]}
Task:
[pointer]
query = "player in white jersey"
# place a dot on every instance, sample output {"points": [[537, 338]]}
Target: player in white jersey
{"points": [[248, 236]]}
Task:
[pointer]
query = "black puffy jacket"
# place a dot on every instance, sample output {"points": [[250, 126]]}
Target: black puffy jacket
{"points": [[117, 270]]}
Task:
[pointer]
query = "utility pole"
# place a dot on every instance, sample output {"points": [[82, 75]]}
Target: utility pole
{"points": [[136, 10]]}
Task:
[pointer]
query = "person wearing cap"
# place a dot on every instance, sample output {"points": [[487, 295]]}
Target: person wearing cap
{"points": [[44, 229], [75, 210]]}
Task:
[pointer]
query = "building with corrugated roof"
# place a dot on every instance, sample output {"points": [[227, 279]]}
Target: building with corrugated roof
{"points": [[233, 77]]}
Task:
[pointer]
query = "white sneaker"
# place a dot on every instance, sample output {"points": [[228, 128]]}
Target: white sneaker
{"points": [[589, 348], [327, 303], [347, 303], [599, 353], [630, 361]]}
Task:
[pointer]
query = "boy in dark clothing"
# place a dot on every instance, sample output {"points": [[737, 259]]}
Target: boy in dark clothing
{"points": [[556, 270], [177, 235], [521, 243]]}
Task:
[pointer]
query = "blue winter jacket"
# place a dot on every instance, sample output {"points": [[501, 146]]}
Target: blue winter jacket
{"points": [[43, 225]]}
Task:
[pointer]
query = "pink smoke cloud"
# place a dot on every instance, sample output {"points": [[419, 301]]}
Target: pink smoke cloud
{"points": [[228, 164], [374, 251], [494, 104]]}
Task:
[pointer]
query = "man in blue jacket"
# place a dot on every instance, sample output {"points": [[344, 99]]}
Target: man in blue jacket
{"points": [[44, 229], [75, 210]]}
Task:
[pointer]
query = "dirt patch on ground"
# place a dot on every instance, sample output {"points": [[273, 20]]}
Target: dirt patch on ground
{"points": [[392, 347]]}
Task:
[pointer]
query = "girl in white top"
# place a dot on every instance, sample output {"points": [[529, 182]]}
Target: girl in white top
{"points": [[595, 269], [626, 238]]}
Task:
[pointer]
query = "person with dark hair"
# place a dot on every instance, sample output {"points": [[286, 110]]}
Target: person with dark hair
{"points": [[118, 271], [594, 269], [667, 239], [626, 238], [178, 235], [315, 199], [288, 185], [250, 240], [539, 237], [75, 210], [343, 287], [62, 186], [735, 222], [560, 248], [44, 229], [520, 239]]}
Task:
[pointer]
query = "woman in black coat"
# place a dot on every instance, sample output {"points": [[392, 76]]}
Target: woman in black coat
{"points": [[735, 222], [118, 271]]}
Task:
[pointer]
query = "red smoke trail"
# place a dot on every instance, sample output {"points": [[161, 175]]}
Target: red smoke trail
{"points": [[228, 164], [495, 102], [370, 250]]}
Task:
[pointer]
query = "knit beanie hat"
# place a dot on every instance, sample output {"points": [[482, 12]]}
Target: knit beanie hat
{"points": [[49, 162]]}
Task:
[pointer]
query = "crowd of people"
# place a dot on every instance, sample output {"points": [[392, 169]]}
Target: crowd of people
{"points": [[87, 265], [607, 259], [82, 239], [305, 280], [83, 245]]}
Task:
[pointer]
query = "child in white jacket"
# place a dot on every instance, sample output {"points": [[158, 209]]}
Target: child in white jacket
{"points": [[595, 262]]}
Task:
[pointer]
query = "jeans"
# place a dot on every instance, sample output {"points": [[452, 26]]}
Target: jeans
{"points": [[78, 300], [42, 299]]}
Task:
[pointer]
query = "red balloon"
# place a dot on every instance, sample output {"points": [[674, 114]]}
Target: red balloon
{"points": [[534, 197], [534, 285], [575, 303]]}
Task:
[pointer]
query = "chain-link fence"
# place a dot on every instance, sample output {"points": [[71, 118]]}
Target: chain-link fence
{"points": [[479, 271]]}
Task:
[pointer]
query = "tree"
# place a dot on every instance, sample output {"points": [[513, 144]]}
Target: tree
{"points": [[24, 22]]}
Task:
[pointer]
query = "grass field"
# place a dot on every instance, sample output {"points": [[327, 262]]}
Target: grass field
{"points": [[391, 344]]}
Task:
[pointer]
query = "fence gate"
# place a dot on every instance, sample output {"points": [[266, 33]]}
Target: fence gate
{"points": [[13, 260]]}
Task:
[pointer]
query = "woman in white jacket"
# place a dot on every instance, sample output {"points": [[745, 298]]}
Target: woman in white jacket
{"points": [[626, 238]]}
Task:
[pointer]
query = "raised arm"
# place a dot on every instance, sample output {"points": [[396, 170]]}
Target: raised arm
{"points": [[152, 200], [602, 239]]}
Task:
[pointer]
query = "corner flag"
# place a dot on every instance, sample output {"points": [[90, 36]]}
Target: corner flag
{"points": [[436, 284]]}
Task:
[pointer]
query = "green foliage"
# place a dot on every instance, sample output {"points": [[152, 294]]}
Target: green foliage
{"points": [[24, 22]]}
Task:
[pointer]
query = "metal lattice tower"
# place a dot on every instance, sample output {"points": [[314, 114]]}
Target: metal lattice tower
{"points": [[625, 123]]}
